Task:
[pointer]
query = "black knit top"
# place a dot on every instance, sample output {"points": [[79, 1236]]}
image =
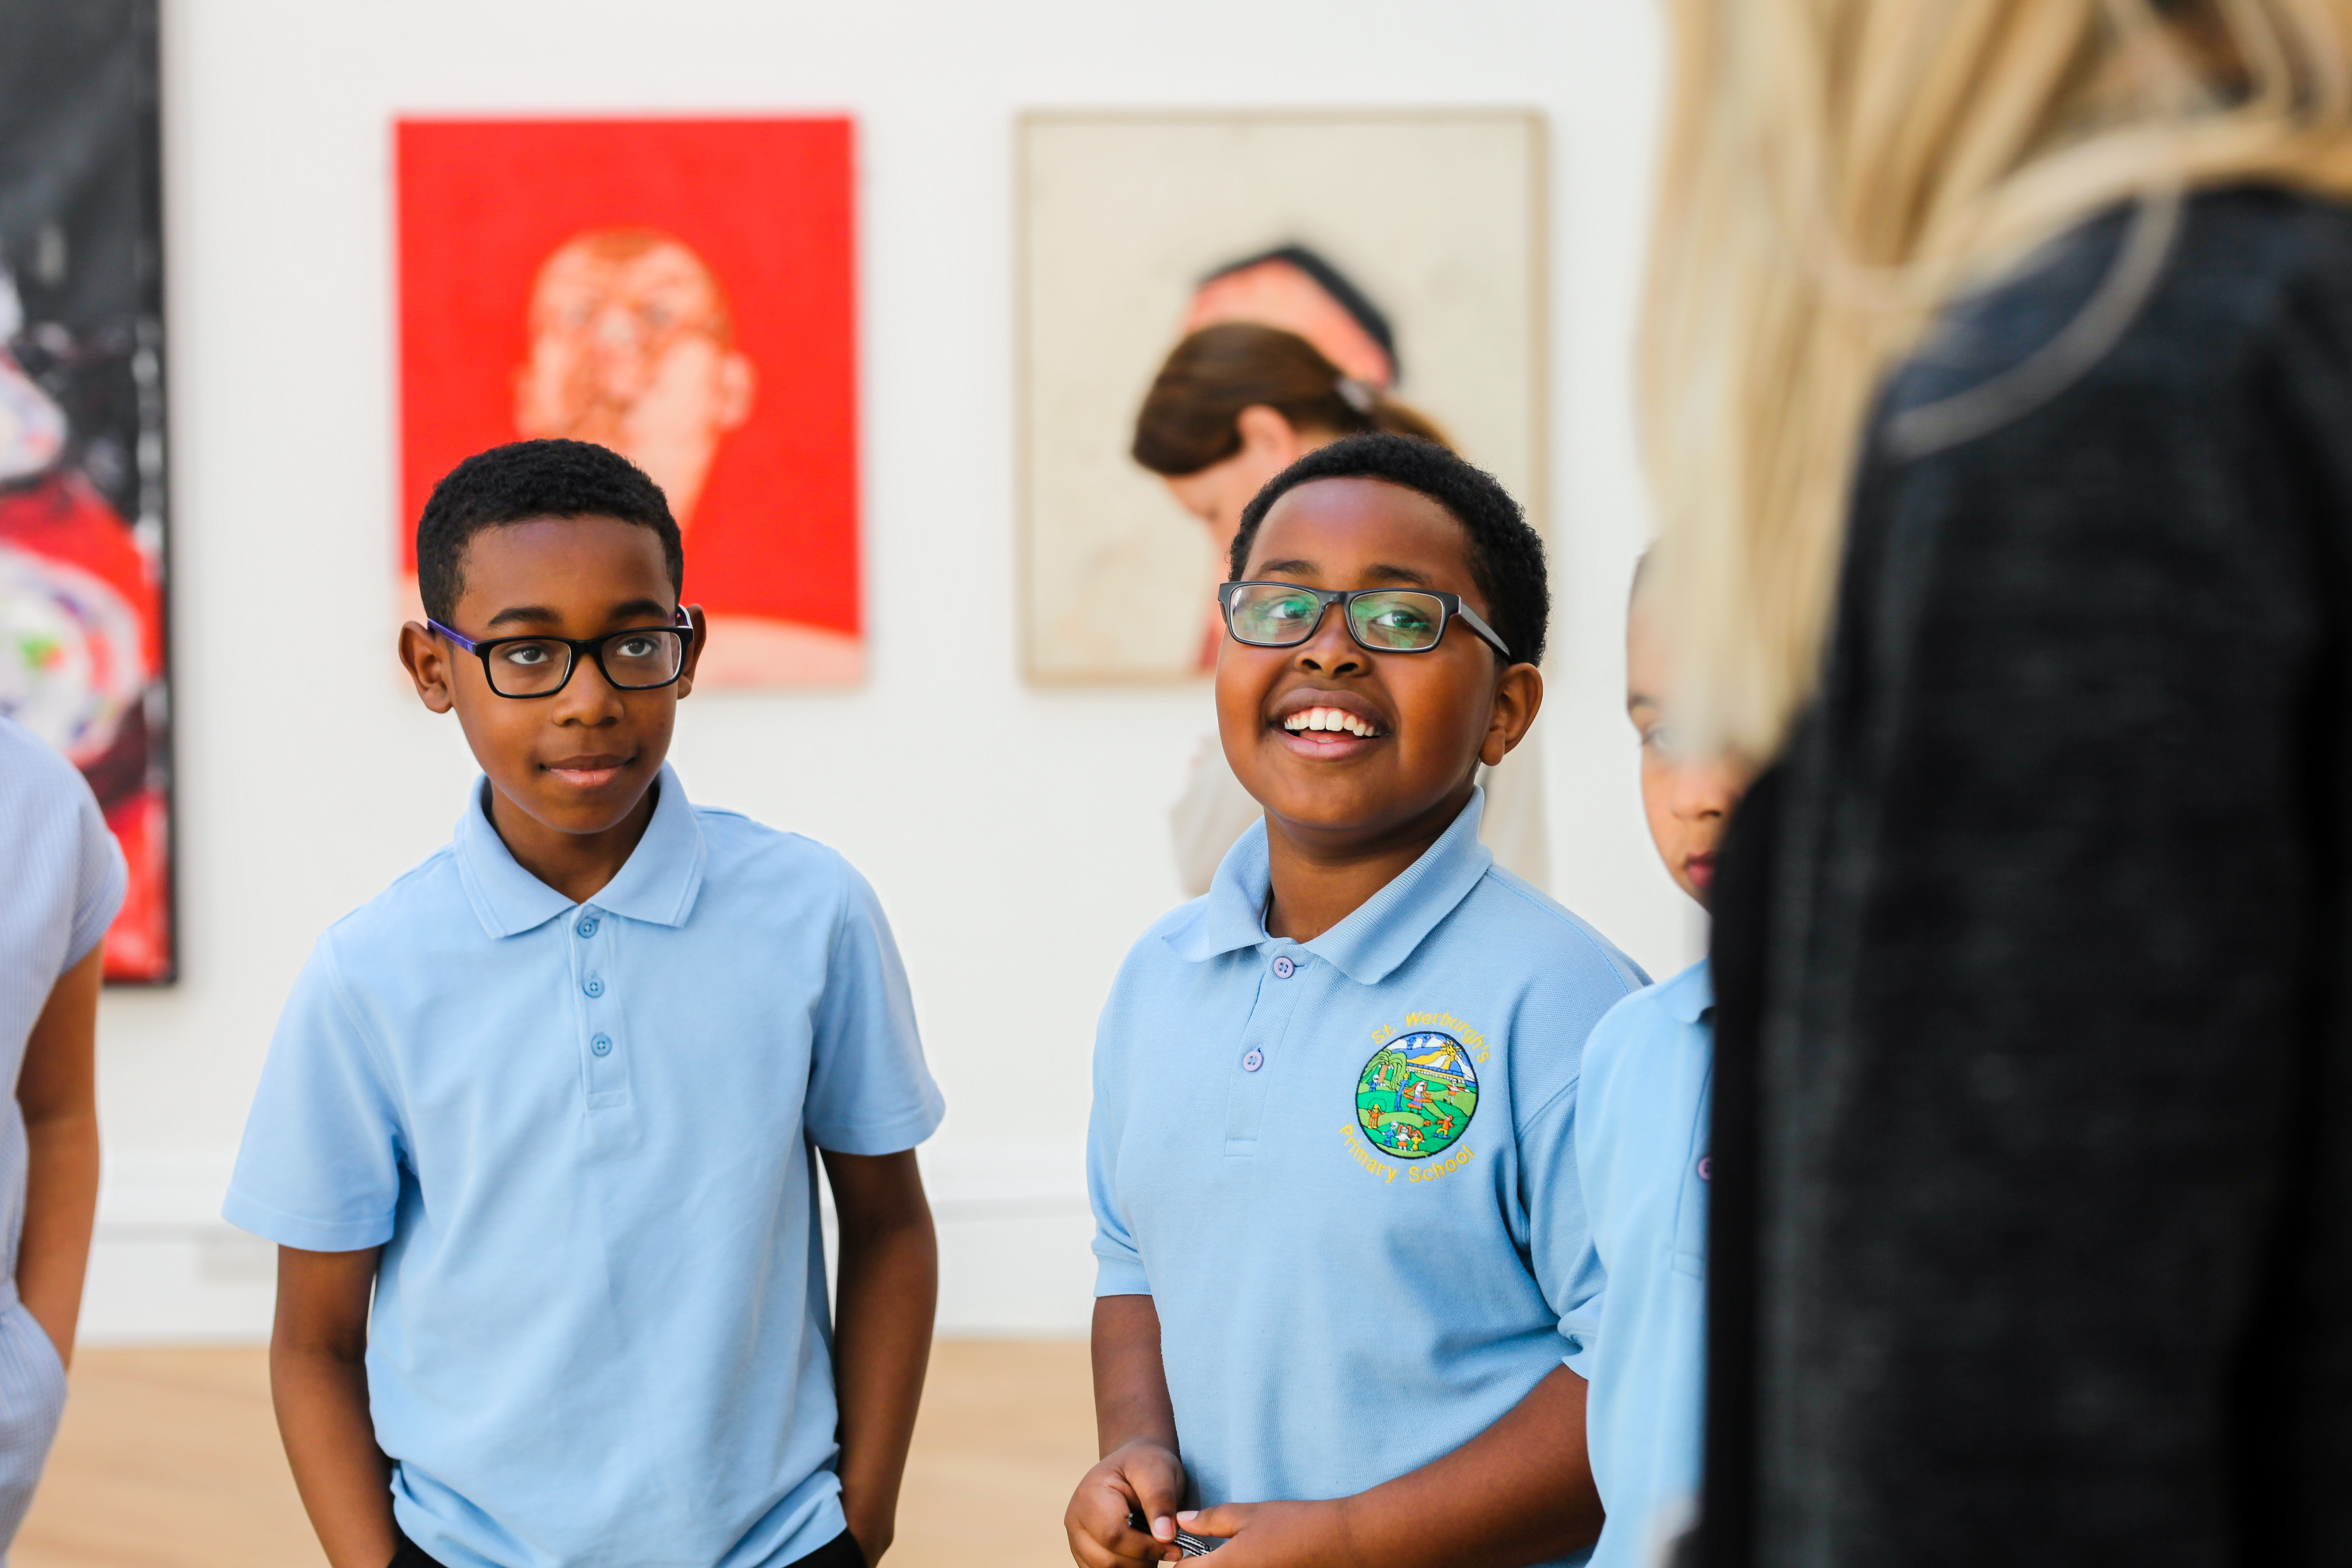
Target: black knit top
{"points": [[2035, 1138]]}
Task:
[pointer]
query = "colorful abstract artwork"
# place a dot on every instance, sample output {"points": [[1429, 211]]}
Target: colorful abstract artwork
{"points": [[682, 291], [83, 650]]}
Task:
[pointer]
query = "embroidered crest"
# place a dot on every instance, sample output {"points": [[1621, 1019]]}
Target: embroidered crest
{"points": [[1416, 1095]]}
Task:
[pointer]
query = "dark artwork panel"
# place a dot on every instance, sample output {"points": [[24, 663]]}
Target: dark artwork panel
{"points": [[82, 536]]}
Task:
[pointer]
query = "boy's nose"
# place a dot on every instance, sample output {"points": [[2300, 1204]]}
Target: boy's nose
{"points": [[588, 697], [1331, 650]]}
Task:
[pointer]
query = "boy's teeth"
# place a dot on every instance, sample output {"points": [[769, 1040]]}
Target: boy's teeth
{"points": [[1332, 718]]}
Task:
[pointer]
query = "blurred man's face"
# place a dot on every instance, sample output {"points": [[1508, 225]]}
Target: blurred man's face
{"points": [[630, 349]]}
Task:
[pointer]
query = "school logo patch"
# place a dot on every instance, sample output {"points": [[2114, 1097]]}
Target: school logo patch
{"points": [[1416, 1095]]}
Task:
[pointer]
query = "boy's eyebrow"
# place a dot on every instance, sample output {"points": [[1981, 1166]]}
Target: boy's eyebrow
{"points": [[1399, 573], [635, 610], [1380, 570], [514, 613]]}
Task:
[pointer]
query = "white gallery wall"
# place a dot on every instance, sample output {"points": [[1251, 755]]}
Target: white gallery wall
{"points": [[1016, 835]]}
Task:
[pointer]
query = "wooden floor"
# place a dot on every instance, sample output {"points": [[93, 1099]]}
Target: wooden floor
{"points": [[170, 1460]]}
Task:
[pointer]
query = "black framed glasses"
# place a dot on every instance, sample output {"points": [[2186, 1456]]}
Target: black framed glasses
{"points": [[641, 658], [1382, 620]]}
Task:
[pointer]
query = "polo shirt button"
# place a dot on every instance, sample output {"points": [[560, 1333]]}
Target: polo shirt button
{"points": [[587, 926], [1706, 1167], [1254, 1060], [595, 986], [602, 1045], [1283, 968]]}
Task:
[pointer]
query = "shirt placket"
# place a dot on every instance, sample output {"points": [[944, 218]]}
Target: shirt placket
{"points": [[1282, 981], [603, 1043]]}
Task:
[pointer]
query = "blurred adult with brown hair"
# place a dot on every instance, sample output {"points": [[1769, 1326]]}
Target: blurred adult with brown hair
{"points": [[1999, 385], [1233, 405]]}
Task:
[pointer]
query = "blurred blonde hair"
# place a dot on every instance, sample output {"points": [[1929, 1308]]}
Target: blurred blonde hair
{"points": [[1835, 170]]}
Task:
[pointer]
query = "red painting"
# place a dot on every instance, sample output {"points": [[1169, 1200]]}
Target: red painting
{"points": [[682, 291]]}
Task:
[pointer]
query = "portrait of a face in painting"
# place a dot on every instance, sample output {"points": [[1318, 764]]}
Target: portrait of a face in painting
{"points": [[631, 347], [606, 281]]}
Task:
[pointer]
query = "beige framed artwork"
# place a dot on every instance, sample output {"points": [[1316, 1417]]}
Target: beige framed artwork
{"points": [[1407, 246]]}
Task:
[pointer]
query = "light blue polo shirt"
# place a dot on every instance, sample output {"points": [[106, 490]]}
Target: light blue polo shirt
{"points": [[1642, 1150], [1344, 1170], [65, 878], [583, 1134]]}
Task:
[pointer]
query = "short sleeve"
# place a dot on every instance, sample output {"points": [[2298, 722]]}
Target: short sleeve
{"points": [[869, 1091], [1560, 1231], [100, 881], [320, 1166], [1120, 1263]]}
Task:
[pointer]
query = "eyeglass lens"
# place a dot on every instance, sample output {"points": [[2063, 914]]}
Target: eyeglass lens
{"points": [[533, 666], [1271, 616]]}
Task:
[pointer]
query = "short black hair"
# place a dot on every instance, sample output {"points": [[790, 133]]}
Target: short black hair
{"points": [[524, 480], [1506, 554]]}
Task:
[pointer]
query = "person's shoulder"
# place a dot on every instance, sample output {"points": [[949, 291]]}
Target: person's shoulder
{"points": [[418, 914], [736, 844], [1169, 947], [1647, 1021], [1506, 914], [2260, 231], [34, 777], [2249, 260], [1153, 970], [2237, 263], [1166, 942], [740, 836]]}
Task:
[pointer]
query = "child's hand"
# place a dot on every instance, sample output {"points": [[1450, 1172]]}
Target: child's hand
{"points": [[1134, 1475], [1279, 1534]]}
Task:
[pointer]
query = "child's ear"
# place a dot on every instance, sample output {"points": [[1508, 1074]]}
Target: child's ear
{"points": [[427, 663], [1519, 696], [693, 648]]}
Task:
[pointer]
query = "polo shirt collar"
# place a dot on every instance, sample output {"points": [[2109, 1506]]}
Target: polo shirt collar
{"points": [[1690, 996], [657, 884], [1370, 943]]}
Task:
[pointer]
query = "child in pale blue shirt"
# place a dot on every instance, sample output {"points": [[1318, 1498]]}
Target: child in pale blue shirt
{"points": [[1345, 1292], [537, 1134], [1642, 1159], [65, 879]]}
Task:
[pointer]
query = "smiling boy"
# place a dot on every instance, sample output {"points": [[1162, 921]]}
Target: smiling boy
{"points": [[1343, 1285], [551, 1104]]}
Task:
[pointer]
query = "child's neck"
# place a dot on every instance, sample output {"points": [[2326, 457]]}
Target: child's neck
{"points": [[1320, 878], [577, 865]]}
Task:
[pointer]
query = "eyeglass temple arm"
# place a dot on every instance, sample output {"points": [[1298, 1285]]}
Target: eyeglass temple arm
{"points": [[1478, 625]]}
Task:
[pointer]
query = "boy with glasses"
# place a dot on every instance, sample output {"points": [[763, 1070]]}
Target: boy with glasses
{"points": [[552, 1102], [1344, 1290]]}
